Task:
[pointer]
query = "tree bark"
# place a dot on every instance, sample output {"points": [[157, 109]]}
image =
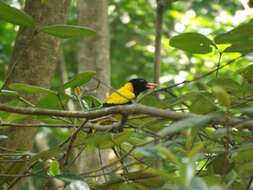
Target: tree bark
{"points": [[158, 38], [94, 55], [94, 52], [34, 59]]}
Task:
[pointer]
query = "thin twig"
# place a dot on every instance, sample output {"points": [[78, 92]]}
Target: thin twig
{"points": [[37, 125], [204, 165], [117, 169], [84, 91], [110, 164], [15, 175], [101, 164], [199, 77], [120, 159], [71, 140], [218, 64], [249, 184], [133, 178], [145, 130], [118, 154], [15, 181], [76, 157]]}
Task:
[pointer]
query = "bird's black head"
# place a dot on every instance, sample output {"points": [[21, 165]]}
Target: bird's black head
{"points": [[141, 85]]}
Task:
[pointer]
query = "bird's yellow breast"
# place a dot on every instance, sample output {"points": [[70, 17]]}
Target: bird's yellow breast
{"points": [[122, 96]]}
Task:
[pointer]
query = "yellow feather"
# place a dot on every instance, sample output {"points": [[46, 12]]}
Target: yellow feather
{"points": [[127, 92]]}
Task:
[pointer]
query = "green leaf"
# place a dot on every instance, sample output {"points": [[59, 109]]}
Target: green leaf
{"points": [[135, 139], [240, 38], [168, 154], [227, 84], [247, 72], [242, 46], [222, 96], [131, 186], [191, 96], [159, 177], [246, 89], [54, 168], [192, 42], [47, 154], [12, 117], [30, 89], [99, 140], [212, 179], [195, 150], [52, 101], [121, 137], [191, 122], [202, 105], [15, 16], [236, 185], [221, 164], [79, 80], [244, 153], [8, 93], [241, 33], [69, 178], [92, 101], [151, 100], [246, 169], [68, 31]]}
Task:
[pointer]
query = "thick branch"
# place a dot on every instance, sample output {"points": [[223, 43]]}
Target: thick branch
{"points": [[123, 109]]}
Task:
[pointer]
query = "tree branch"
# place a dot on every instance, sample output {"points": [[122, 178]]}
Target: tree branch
{"points": [[199, 77], [86, 128], [71, 141], [122, 109]]}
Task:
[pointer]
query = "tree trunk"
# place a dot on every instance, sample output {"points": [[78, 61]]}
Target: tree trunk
{"points": [[94, 55], [94, 52], [34, 59]]}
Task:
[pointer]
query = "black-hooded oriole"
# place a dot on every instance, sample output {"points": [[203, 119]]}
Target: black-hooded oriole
{"points": [[128, 92], [124, 95]]}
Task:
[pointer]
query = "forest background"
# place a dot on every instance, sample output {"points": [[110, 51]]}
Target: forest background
{"points": [[193, 132]]}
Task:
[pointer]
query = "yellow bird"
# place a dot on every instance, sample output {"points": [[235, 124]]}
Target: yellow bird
{"points": [[128, 92], [123, 95]]}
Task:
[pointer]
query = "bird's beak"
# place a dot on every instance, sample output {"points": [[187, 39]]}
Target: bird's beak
{"points": [[151, 86]]}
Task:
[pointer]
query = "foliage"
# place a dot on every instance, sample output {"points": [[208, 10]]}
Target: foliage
{"points": [[15, 16], [67, 31], [211, 78]]}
